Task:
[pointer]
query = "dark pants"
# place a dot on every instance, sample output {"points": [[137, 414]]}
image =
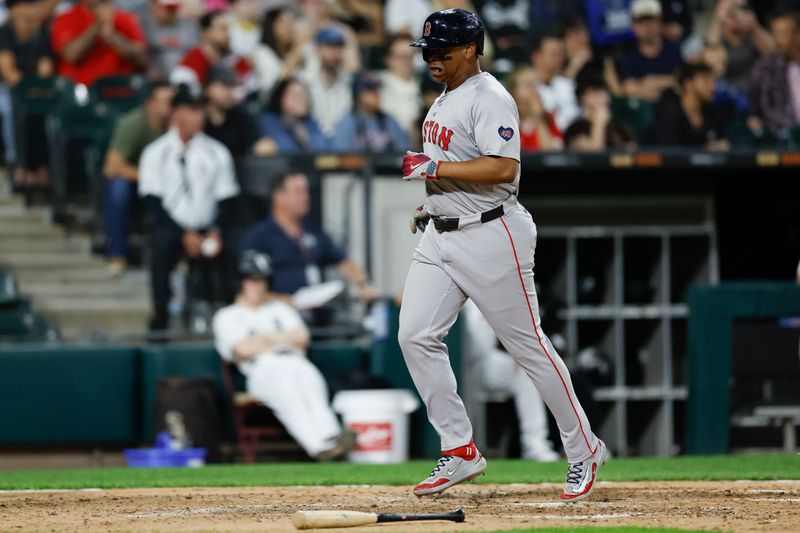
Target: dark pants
{"points": [[208, 278], [120, 196]]}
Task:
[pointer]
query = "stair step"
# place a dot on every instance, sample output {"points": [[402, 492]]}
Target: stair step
{"points": [[106, 289], [48, 259], [29, 229], [16, 217], [63, 245], [50, 275], [94, 305], [76, 324]]}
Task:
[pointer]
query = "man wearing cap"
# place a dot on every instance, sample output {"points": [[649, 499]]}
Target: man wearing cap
{"points": [[328, 81], [169, 37], [267, 340], [367, 128], [650, 68], [187, 182], [228, 123], [95, 39], [214, 48]]}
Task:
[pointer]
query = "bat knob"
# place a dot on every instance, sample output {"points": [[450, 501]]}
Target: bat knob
{"points": [[458, 515]]}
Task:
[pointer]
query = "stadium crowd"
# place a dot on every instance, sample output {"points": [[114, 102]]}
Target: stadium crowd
{"points": [[233, 78]]}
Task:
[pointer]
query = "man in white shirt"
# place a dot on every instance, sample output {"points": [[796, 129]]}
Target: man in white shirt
{"points": [[267, 340], [556, 91], [187, 183], [329, 82]]}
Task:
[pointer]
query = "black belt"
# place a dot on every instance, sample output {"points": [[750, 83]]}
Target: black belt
{"points": [[443, 224]]}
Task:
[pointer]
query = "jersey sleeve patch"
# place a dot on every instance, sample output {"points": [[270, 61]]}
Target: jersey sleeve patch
{"points": [[505, 133]]}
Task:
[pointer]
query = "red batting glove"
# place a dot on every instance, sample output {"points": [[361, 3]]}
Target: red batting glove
{"points": [[417, 166]]}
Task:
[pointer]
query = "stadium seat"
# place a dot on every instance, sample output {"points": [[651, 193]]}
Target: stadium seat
{"points": [[119, 93], [638, 114], [76, 151], [253, 421]]}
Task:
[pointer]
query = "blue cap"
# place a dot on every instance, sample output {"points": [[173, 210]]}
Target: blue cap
{"points": [[329, 35]]}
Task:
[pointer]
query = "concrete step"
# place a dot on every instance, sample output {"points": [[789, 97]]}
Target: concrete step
{"points": [[29, 229], [48, 259], [51, 275], [94, 305], [64, 245], [77, 323], [95, 289], [20, 216]]}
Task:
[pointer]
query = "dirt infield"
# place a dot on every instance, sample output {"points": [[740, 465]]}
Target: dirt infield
{"points": [[729, 506]]}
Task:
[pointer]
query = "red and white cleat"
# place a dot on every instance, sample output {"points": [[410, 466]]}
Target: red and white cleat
{"points": [[451, 470], [582, 475]]}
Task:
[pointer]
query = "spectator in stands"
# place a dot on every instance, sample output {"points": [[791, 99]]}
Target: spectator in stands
{"points": [[689, 117], [546, 14], [537, 127], [367, 128], [24, 51], [366, 19], [725, 92], [298, 248], [187, 182], [400, 92], [329, 82], [677, 19], [406, 16], [169, 37], [95, 39], [133, 132], [214, 48], [605, 132], [649, 69], [244, 26], [735, 26], [775, 81], [556, 91], [267, 340], [507, 23], [279, 54], [578, 48], [288, 121], [228, 123], [317, 15]]}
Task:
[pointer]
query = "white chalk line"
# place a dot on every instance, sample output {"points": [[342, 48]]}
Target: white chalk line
{"points": [[607, 516]]}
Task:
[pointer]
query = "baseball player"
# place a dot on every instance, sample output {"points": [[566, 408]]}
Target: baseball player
{"points": [[477, 243]]}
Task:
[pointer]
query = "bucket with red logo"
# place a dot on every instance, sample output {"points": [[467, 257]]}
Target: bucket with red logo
{"points": [[380, 420]]}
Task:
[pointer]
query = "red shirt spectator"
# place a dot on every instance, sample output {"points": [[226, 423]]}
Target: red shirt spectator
{"points": [[94, 39], [214, 48]]}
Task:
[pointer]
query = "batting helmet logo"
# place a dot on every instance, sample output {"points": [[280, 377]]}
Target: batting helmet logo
{"points": [[427, 31]]}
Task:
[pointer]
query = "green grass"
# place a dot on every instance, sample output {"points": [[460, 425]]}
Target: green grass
{"points": [[757, 467]]}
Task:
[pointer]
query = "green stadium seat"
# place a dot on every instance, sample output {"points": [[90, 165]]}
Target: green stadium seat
{"points": [[119, 93], [638, 114]]}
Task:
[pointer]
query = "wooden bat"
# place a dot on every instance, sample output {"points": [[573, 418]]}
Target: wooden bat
{"points": [[322, 519]]}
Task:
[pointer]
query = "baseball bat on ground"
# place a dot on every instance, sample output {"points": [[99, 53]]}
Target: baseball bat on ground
{"points": [[322, 519]]}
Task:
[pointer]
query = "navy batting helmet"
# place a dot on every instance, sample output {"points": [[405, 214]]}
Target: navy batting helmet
{"points": [[451, 27], [255, 265]]}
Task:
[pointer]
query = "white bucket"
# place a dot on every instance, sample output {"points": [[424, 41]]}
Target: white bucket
{"points": [[380, 419]]}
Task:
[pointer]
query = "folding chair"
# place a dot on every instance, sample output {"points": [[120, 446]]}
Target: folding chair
{"points": [[253, 421]]}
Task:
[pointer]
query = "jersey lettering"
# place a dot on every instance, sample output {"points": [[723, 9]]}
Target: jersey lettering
{"points": [[433, 133]]}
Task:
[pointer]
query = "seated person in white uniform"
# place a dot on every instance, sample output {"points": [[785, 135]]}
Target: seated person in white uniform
{"points": [[499, 374], [267, 340]]}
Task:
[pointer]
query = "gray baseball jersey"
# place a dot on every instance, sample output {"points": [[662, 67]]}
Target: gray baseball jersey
{"points": [[490, 263], [477, 118]]}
